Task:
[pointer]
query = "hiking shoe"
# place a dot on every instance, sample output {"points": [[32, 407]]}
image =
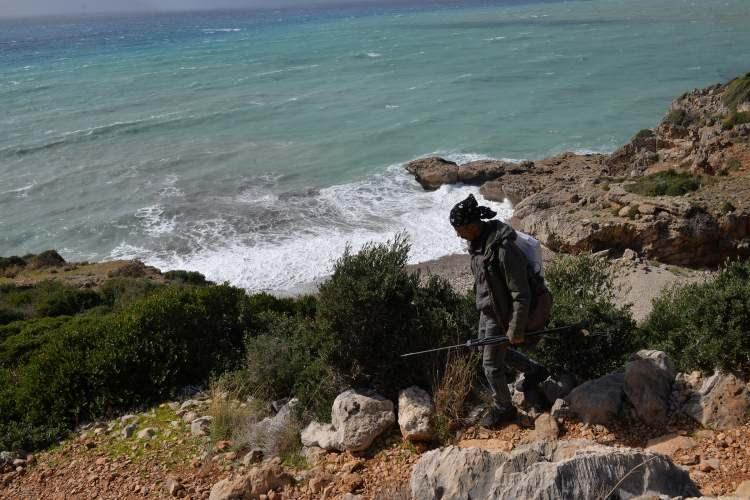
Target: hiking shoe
{"points": [[532, 379], [496, 416]]}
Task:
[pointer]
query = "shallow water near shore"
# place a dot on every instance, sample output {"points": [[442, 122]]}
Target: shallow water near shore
{"points": [[253, 146]]}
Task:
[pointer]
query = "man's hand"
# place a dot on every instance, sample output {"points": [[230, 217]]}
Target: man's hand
{"points": [[517, 340]]}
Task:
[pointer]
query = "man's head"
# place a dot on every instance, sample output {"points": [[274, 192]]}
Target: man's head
{"points": [[469, 232], [466, 218]]}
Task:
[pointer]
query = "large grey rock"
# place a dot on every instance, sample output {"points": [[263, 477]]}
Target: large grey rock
{"points": [[723, 402], [414, 412], [560, 469], [598, 401], [648, 385], [360, 417], [558, 387]]}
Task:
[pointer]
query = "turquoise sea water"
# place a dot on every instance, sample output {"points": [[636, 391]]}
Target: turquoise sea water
{"points": [[252, 146]]}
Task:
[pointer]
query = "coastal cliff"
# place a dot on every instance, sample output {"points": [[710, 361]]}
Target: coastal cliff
{"points": [[677, 194]]}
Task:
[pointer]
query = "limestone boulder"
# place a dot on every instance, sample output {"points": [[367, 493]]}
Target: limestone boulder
{"points": [[560, 469], [433, 172], [598, 401], [648, 385], [723, 402], [319, 435], [359, 417], [415, 410]]}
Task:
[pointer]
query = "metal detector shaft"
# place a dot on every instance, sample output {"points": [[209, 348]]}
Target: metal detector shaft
{"points": [[502, 339]]}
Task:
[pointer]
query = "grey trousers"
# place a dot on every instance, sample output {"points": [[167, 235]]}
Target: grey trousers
{"points": [[497, 358]]}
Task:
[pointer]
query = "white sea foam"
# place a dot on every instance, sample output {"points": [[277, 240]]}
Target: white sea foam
{"points": [[153, 221], [374, 54], [282, 257], [21, 192]]}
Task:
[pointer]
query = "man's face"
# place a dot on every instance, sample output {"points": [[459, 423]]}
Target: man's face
{"points": [[469, 232]]}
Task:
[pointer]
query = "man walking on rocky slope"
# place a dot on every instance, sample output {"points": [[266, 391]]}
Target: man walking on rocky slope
{"points": [[503, 298]]}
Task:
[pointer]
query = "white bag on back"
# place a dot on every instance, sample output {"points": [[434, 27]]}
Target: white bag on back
{"points": [[532, 249]]}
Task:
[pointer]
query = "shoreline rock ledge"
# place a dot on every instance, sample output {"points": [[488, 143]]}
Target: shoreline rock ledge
{"points": [[560, 469], [576, 203]]}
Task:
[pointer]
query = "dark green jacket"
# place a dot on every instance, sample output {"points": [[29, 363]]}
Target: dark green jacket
{"points": [[500, 278]]}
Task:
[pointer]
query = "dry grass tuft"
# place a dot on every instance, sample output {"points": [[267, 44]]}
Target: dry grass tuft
{"points": [[451, 391]]}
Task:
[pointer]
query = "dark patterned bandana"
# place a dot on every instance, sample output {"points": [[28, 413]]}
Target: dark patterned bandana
{"points": [[469, 211]]}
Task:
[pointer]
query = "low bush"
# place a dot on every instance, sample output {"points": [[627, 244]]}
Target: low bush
{"points": [[118, 293], [450, 392], [735, 118], [372, 310], [737, 92], [584, 289], [666, 183], [679, 118], [48, 298], [10, 262], [93, 365], [186, 277], [705, 325]]}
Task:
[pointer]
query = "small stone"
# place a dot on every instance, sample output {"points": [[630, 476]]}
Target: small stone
{"points": [[709, 465], [146, 433], [253, 456], [173, 486], [128, 430]]}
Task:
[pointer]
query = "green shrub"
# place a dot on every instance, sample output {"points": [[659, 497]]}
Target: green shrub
{"points": [[733, 165], [372, 310], [275, 360], [666, 183], [186, 277], [705, 325], [118, 293], [680, 118], [48, 298], [645, 133], [584, 288], [48, 258], [93, 365], [735, 118], [13, 261], [737, 92], [20, 340]]}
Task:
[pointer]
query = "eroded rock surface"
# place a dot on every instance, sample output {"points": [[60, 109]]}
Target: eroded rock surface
{"points": [[560, 469]]}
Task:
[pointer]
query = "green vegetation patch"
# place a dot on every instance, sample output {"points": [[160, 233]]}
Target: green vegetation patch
{"points": [[705, 325], [666, 183], [737, 92], [584, 287]]}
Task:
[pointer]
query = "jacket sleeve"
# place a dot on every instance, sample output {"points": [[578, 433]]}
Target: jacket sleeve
{"points": [[514, 267]]}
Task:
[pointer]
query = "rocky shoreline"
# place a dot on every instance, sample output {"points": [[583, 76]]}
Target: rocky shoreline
{"points": [[587, 203]]}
